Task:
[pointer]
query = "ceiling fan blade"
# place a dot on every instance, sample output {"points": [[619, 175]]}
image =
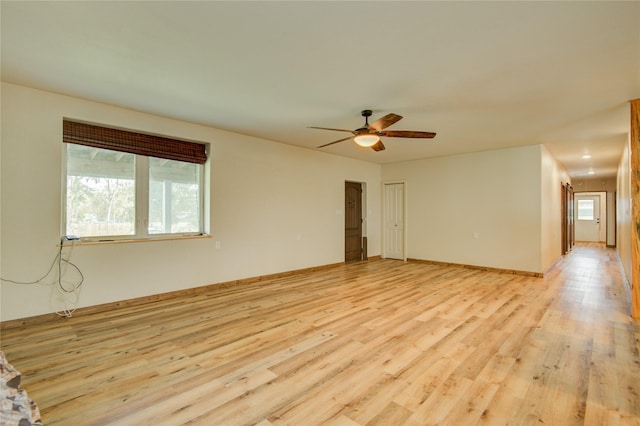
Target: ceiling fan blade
{"points": [[331, 143], [407, 134], [386, 121], [378, 146], [328, 128]]}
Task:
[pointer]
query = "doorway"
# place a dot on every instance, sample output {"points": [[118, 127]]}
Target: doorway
{"points": [[567, 218], [352, 221], [590, 216], [394, 221]]}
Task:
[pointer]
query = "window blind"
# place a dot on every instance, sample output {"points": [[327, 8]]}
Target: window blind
{"points": [[133, 142]]}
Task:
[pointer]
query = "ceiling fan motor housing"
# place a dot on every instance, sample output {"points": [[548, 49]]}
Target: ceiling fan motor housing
{"points": [[366, 129]]}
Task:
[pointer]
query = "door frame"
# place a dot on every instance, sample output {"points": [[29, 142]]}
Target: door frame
{"points": [[603, 205], [568, 222], [405, 217], [363, 217], [614, 213]]}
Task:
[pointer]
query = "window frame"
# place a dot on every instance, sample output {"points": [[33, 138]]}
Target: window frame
{"points": [[592, 209], [145, 196], [141, 203]]}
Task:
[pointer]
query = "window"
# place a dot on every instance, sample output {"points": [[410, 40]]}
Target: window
{"points": [[174, 196], [585, 209], [122, 193], [101, 192]]}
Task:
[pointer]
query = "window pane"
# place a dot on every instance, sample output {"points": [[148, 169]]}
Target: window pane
{"points": [[585, 209], [100, 192], [174, 196]]}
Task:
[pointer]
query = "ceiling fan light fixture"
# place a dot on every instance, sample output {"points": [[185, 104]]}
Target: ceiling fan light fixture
{"points": [[366, 140]]}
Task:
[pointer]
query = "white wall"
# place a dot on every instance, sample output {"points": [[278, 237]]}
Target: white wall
{"points": [[623, 211], [494, 195], [264, 195], [497, 208], [551, 178]]}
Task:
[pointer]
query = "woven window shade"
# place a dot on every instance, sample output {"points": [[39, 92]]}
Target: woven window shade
{"points": [[132, 142]]}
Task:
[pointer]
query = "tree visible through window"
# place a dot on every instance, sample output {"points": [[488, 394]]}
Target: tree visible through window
{"points": [[100, 192], [111, 193], [174, 196]]}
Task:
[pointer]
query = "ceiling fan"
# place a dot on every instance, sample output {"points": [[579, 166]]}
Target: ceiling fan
{"points": [[368, 136]]}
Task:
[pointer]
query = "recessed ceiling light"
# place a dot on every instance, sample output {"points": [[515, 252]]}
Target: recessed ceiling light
{"points": [[586, 156], [591, 172]]}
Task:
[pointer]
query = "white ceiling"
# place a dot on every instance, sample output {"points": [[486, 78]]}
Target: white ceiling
{"points": [[483, 75]]}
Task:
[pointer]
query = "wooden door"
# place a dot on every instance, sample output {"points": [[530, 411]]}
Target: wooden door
{"points": [[394, 221], [565, 218], [572, 222], [352, 221]]}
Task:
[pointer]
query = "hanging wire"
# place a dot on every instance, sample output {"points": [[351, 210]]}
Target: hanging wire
{"points": [[60, 260]]}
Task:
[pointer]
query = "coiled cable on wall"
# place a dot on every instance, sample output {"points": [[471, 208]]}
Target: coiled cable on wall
{"points": [[61, 262]]}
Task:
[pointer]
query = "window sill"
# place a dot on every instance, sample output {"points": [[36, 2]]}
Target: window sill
{"points": [[95, 241]]}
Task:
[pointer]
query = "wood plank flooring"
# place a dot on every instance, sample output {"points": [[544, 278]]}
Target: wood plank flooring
{"points": [[377, 343]]}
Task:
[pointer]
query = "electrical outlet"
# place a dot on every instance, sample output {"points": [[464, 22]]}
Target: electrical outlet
{"points": [[217, 245]]}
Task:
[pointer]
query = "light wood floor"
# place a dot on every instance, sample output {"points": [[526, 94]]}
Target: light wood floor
{"points": [[383, 342]]}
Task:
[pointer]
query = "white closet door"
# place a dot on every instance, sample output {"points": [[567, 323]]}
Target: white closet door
{"points": [[394, 221]]}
